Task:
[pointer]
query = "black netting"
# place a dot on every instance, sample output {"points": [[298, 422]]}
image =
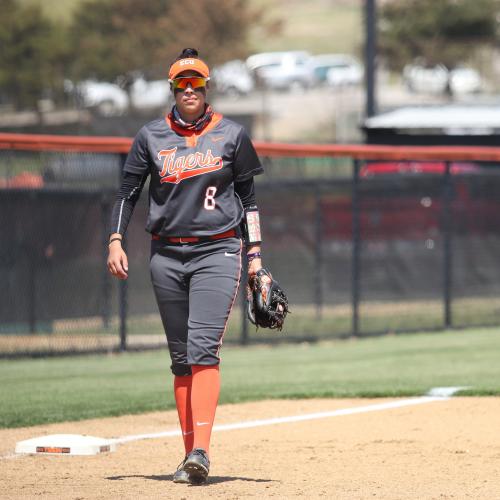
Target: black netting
{"points": [[427, 250], [54, 210], [391, 250], [475, 246]]}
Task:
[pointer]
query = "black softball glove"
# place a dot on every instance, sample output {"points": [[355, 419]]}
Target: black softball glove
{"points": [[267, 302]]}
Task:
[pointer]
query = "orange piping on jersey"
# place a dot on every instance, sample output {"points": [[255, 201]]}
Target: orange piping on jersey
{"points": [[238, 281], [176, 178], [192, 135], [191, 140]]}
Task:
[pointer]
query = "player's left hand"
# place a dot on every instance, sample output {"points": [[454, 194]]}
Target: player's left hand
{"points": [[267, 303], [253, 267]]}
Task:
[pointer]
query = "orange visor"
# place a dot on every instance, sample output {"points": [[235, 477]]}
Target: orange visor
{"points": [[187, 64]]}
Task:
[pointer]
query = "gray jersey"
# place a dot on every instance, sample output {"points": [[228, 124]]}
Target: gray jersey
{"points": [[193, 174]]}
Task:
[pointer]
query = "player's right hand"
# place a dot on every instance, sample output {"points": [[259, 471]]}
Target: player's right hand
{"points": [[117, 261]]}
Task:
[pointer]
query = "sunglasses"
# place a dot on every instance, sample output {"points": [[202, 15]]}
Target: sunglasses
{"points": [[196, 82]]}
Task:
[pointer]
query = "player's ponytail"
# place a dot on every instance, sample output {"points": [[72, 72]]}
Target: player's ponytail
{"points": [[186, 53]]}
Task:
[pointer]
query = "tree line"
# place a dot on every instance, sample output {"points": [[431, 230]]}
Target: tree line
{"points": [[447, 32], [113, 39]]}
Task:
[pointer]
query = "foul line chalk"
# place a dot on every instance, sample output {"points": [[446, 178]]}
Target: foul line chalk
{"points": [[435, 394], [308, 416], [294, 418]]}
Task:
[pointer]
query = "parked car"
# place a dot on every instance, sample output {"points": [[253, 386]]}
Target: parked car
{"points": [[337, 69], [377, 168], [465, 80], [107, 98], [150, 94], [438, 79], [282, 70], [233, 78], [403, 200]]}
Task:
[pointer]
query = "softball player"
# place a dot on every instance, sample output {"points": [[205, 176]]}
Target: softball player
{"points": [[201, 205]]}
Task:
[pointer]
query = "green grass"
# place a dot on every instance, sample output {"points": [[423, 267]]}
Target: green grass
{"points": [[61, 389]]}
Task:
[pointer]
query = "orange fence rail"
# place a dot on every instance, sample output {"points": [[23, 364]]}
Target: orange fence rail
{"points": [[33, 142]]}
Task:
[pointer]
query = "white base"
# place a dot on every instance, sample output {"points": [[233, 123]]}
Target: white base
{"points": [[66, 444], [445, 392]]}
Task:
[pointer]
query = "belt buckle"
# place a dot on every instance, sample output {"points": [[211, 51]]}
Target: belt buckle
{"points": [[187, 240]]}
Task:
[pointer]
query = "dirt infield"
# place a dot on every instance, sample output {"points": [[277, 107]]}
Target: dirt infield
{"points": [[437, 450]]}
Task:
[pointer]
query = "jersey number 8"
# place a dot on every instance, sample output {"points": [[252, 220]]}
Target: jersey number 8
{"points": [[209, 198]]}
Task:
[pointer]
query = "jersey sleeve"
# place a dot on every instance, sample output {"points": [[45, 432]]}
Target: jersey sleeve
{"points": [[138, 159], [125, 201], [246, 193], [246, 161]]}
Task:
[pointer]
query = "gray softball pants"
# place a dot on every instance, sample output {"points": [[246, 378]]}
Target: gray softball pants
{"points": [[195, 287]]}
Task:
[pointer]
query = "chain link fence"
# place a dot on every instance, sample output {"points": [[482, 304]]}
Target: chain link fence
{"points": [[361, 248]]}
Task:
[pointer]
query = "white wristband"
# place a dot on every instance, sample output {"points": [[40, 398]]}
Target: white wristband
{"points": [[253, 227]]}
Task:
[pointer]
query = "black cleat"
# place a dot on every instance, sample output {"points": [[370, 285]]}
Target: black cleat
{"points": [[180, 475], [197, 466]]}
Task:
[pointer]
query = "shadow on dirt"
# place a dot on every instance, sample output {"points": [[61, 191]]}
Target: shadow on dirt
{"points": [[211, 479]]}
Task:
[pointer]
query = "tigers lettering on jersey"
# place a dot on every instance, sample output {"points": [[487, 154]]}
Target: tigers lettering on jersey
{"points": [[176, 169]]}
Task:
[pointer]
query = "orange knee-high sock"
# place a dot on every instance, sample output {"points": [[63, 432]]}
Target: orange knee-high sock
{"points": [[204, 398], [182, 393]]}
